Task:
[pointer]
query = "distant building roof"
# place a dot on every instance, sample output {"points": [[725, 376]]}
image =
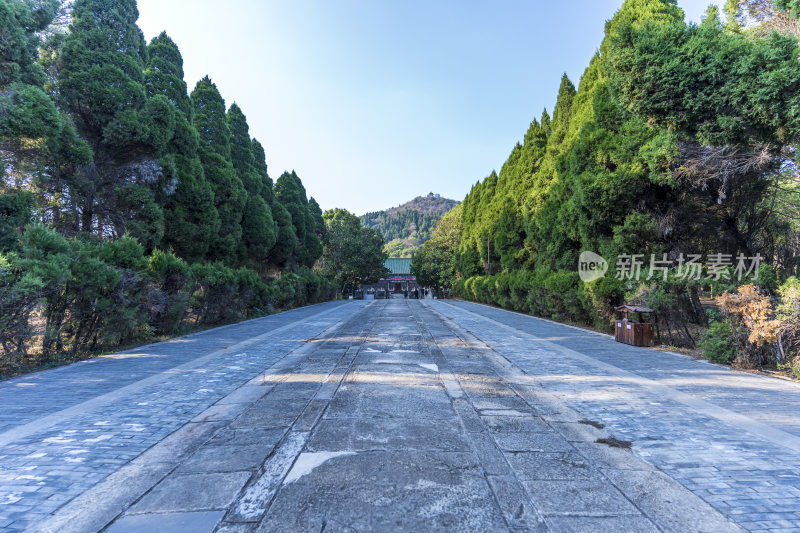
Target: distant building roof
{"points": [[398, 265], [633, 309]]}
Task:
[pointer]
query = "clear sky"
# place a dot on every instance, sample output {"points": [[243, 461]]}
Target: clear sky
{"points": [[374, 102]]}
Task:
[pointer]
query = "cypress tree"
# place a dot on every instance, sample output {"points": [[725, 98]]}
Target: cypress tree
{"points": [[191, 219], [258, 227], [230, 196], [290, 192], [286, 242], [260, 165], [164, 73], [19, 24], [563, 110], [314, 246], [25, 110], [102, 85]]}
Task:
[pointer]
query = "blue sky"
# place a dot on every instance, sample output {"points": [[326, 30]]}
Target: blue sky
{"points": [[375, 102]]}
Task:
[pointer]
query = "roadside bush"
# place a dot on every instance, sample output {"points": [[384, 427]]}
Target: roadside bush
{"points": [[753, 324], [285, 290], [253, 296], [501, 290], [717, 342], [18, 300], [536, 300], [127, 320], [564, 292], [789, 333], [216, 297], [541, 292], [602, 296], [459, 289], [519, 286], [64, 299], [170, 292]]}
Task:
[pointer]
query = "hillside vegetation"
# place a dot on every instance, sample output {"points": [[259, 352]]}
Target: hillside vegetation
{"points": [[407, 227], [675, 159]]}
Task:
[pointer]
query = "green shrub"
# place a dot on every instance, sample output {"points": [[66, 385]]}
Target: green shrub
{"points": [[518, 288], [95, 295], [285, 290], [767, 278], [536, 300], [215, 299], [19, 296], [603, 295], [565, 296], [718, 343], [168, 300]]}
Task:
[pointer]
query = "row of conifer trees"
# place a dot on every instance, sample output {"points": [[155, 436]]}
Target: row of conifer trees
{"points": [[129, 206], [680, 141]]}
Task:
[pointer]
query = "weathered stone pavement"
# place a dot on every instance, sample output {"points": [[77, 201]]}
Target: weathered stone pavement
{"points": [[397, 415]]}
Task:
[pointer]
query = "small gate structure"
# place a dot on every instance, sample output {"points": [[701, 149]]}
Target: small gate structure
{"points": [[633, 332]]}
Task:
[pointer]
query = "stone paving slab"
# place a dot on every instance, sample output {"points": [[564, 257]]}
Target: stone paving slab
{"points": [[387, 415], [44, 466], [720, 433], [32, 396]]}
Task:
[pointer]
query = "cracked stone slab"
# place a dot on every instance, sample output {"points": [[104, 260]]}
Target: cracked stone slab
{"points": [[192, 492], [257, 497], [200, 522], [442, 434], [579, 497], [527, 441], [526, 422], [426, 490], [515, 504], [659, 496], [226, 458], [551, 466], [583, 524]]}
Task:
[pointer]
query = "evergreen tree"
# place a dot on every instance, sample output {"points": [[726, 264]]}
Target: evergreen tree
{"points": [[260, 165], [27, 112], [286, 242], [314, 244], [290, 192], [191, 219], [102, 85], [259, 231], [436, 264], [230, 196], [36, 141]]}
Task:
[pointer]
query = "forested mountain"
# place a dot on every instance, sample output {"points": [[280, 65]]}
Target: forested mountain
{"points": [[680, 141], [128, 206], [406, 227]]}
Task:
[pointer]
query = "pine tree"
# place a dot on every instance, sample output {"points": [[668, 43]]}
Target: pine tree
{"points": [[290, 192], [259, 230], [286, 243], [314, 247], [191, 219], [27, 112], [102, 84], [260, 165], [230, 196]]}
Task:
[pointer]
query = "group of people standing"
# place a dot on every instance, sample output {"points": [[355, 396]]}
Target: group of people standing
{"points": [[415, 293]]}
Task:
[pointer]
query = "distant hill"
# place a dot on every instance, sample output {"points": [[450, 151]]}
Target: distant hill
{"points": [[406, 227]]}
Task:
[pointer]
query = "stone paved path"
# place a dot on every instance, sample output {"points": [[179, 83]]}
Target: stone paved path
{"points": [[397, 415]]}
